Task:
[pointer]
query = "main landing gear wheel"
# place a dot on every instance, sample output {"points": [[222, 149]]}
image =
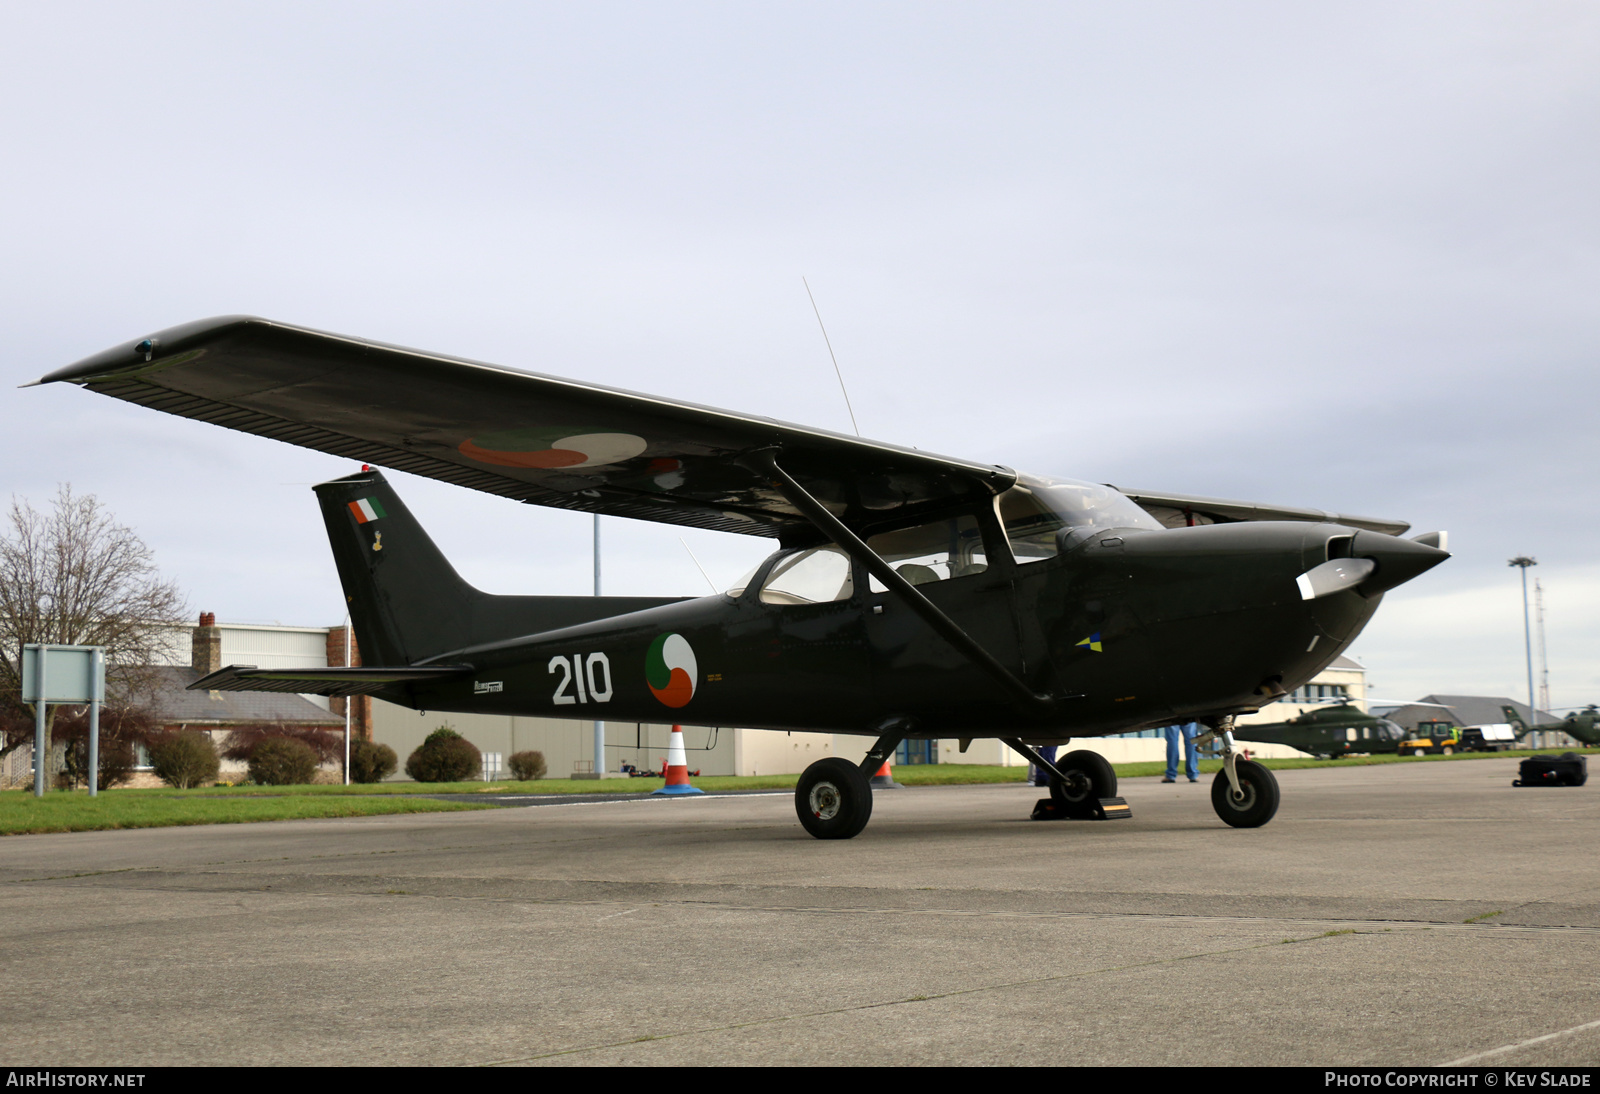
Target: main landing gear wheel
{"points": [[833, 799], [1256, 803], [1088, 779]]}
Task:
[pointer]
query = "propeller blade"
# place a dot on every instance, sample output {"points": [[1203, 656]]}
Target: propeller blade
{"points": [[1333, 576]]}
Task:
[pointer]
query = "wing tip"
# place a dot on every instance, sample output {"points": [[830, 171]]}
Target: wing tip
{"points": [[146, 350]]}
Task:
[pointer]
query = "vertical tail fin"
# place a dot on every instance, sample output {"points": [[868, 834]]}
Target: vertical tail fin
{"points": [[406, 601], [1517, 724]]}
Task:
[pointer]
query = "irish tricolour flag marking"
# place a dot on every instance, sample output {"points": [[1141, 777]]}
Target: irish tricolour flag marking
{"points": [[367, 509]]}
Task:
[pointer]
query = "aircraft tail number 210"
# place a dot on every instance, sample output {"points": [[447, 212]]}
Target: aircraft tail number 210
{"points": [[593, 669]]}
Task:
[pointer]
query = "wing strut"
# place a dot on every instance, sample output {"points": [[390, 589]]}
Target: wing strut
{"points": [[1031, 754], [764, 461]]}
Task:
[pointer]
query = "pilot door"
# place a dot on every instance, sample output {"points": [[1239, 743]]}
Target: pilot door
{"points": [[1073, 602], [811, 637]]}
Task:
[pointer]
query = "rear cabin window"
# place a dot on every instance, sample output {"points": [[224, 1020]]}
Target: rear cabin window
{"points": [[938, 551]]}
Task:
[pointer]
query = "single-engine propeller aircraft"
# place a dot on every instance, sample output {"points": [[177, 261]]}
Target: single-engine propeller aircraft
{"points": [[911, 596]]}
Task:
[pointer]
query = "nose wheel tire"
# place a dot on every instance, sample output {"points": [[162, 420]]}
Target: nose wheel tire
{"points": [[1257, 801], [833, 799], [1089, 778]]}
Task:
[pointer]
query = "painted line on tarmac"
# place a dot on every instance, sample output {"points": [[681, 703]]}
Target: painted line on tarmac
{"points": [[1465, 1060]]}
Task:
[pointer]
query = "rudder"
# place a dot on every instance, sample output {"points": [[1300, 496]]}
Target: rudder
{"points": [[405, 600], [408, 604]]}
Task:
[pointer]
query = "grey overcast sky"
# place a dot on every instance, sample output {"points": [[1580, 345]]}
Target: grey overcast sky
{"points": [[1337, 255]]}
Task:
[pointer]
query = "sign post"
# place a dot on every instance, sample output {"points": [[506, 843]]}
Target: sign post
{"points": [[64, 674]]}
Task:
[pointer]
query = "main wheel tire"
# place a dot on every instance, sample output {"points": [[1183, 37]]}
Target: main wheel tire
{"points": [[1447, 751], [1089, 778], [833, 799], [1419, 752], [1260, 796]]}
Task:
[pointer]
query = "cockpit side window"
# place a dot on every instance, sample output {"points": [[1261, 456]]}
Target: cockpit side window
{"points": [[937, 551], [1036, 510], [1029, 525], [819, 575]]}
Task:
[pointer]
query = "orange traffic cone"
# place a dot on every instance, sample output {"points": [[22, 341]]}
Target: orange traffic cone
{"points": [[884, 779], [677, 767]]}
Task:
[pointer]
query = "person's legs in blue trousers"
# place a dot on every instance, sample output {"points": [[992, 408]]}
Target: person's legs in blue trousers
{"points": [[1172, 733], [1191, 754]]}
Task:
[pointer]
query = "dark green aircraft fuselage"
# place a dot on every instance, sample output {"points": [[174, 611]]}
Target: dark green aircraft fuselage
{"points": [[1126, 628]]}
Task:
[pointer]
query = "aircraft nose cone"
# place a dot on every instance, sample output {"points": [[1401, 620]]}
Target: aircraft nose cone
{"points": [[1399, 560]]}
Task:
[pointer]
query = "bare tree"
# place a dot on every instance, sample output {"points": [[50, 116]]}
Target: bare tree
{"points": [[74, 576]]}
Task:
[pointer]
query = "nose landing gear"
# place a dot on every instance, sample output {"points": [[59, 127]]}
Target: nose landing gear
{"points": [[1244, 793]]}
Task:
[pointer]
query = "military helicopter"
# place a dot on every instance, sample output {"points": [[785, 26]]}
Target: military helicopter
{"points": [[911, 596], [1329, 731], [1582, 726]]}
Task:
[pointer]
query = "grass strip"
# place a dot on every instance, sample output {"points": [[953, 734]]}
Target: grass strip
{"points": [[911, 775], [66, 811]]}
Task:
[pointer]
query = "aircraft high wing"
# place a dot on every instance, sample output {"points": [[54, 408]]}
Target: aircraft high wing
{"points": [[538, 439], [550, 441], [912, 596]]}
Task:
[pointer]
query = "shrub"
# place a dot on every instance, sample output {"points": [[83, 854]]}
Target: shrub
{"points": [[371, 762], [282, 761], [527, 765], [117, 761], [445, 757], [122, 729], [185, 759], [240, 744]]}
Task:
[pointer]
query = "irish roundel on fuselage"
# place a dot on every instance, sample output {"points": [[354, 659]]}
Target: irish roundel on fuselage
{"points": [[670, 670]]}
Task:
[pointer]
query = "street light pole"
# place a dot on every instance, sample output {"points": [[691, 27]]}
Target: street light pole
{"points": [[1522, 562], [599, 726]]}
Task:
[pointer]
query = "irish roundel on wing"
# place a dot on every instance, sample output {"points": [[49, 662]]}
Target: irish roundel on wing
{"points": [[670, 670]]}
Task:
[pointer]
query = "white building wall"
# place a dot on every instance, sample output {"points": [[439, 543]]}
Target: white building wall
{"points": [[266, 646], [775, 752], [565, 743], [273, 647]]}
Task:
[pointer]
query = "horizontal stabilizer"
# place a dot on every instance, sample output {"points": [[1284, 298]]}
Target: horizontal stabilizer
{"points": [[326, 681]]}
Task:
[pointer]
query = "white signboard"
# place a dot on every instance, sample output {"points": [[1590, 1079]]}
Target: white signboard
{"points": [[71, 674]]}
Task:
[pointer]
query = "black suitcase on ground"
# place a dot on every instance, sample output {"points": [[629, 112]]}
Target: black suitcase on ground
{"points": [[1567, 769]]}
